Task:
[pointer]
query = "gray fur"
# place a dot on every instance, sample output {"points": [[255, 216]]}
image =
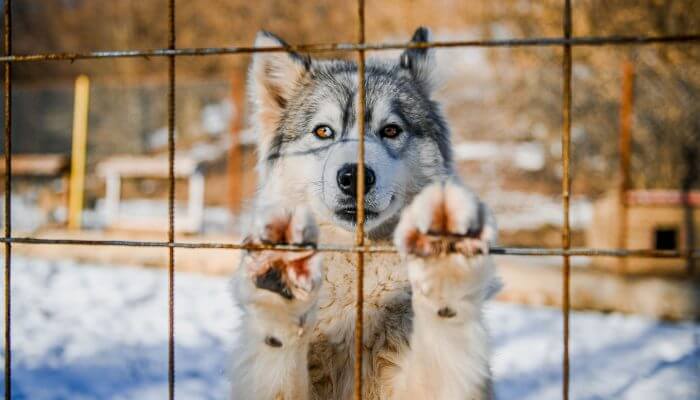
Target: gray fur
{"points": [[332, 81], [423, 334], [325, 92]]}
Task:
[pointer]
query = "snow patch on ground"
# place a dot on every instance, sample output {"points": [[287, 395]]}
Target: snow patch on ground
{"points": [[528, 156], [520, 210], [99, 332]]}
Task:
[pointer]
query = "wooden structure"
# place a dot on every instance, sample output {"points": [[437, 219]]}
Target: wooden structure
{"points": [[76, 194], [116, 168], [37, 165], [28, 169], [655, 219]]}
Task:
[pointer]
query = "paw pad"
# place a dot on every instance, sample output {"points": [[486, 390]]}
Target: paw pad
{"points": [[446, 312], [291, 274], [273, 280], [273, 341]]}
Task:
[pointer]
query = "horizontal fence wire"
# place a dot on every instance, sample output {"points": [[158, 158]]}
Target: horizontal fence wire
{"points": [[566, 42], [353, 47], [496, 250]]}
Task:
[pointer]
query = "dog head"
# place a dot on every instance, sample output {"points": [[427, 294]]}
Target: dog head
{"points": [[305, 112]]}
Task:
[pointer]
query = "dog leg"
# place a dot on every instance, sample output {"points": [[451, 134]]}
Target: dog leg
{"points": [[277, 293], [443, 236]]}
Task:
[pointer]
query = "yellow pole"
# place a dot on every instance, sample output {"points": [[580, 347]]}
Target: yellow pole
{"points": [[78, 152]]}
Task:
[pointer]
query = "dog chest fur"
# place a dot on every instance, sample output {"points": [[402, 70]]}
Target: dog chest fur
{"points": [[423, 333], [388, 315]]}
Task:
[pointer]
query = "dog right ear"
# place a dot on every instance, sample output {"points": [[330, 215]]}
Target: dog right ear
{"points": [[420, 62], [272, 79]]}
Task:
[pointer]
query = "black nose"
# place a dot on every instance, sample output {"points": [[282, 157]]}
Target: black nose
{"points": [[347, 179]]}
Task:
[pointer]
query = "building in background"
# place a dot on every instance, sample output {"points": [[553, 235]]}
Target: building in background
{"points": [[656, 219]]}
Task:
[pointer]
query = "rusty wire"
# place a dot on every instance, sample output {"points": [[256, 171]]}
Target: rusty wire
{"points": [[171, 201], [171, 52], [566, 193], [496, 250], [350, 47], [7, 104], [625, 142], [360, 197]]}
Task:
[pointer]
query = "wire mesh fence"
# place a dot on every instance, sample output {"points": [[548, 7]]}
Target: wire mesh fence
{"points": [[171, 52], [124, 117]]}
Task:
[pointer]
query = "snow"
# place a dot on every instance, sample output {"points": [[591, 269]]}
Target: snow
{"points": [[216, 117], [528, 156], [476, 151], [520, 210], [27, 215], [100, 332]]}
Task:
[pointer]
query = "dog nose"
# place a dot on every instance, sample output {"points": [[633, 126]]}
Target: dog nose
{"points": [[347, 179]]}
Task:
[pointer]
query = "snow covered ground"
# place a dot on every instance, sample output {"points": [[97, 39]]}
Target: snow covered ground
{"points": [[99, 332], [520, 210]]}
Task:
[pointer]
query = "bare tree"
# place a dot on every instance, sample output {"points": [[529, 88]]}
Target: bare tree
{"points": [[667, 88]]}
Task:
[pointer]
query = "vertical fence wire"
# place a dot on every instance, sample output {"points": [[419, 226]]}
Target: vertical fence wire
{"points": [[360, 47], [171, 202], [626, 103], [7, 104], [360, 221], [566, 192]]}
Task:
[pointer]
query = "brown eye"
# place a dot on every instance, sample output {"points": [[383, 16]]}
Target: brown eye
{"points": [[323, 132], [391, 131]]}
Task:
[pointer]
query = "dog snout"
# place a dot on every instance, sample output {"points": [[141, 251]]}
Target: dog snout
{"points": [[347, 179]]}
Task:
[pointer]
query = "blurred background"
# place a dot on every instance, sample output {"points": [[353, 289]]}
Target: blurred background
{"points": [[91, 321]]}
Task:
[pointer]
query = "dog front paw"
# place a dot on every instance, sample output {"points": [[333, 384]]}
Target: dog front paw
{"points": [[444, 235], [293, 275], [444, 218]]}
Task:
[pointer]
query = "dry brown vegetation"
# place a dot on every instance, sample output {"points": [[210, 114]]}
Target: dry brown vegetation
{"points": [[666, 145], [526, 82]]}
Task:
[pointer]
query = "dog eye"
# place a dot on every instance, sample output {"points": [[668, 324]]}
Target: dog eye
{"points": [[391, 131], [323, 132]]}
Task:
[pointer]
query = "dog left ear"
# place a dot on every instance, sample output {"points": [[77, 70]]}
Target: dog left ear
{"points": [[272, 78], [420, 62]]}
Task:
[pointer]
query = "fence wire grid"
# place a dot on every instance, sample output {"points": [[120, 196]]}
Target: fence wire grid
{"points": [[566, 41]]}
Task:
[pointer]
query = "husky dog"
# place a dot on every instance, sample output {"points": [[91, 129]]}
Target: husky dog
{"points": [[424, 335]]}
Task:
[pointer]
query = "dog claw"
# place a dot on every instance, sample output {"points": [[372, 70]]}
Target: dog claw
{"points": [[444, 218]]}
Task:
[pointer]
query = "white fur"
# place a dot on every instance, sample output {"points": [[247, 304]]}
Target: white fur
{"points": [[424, 336], [419, 356]]}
